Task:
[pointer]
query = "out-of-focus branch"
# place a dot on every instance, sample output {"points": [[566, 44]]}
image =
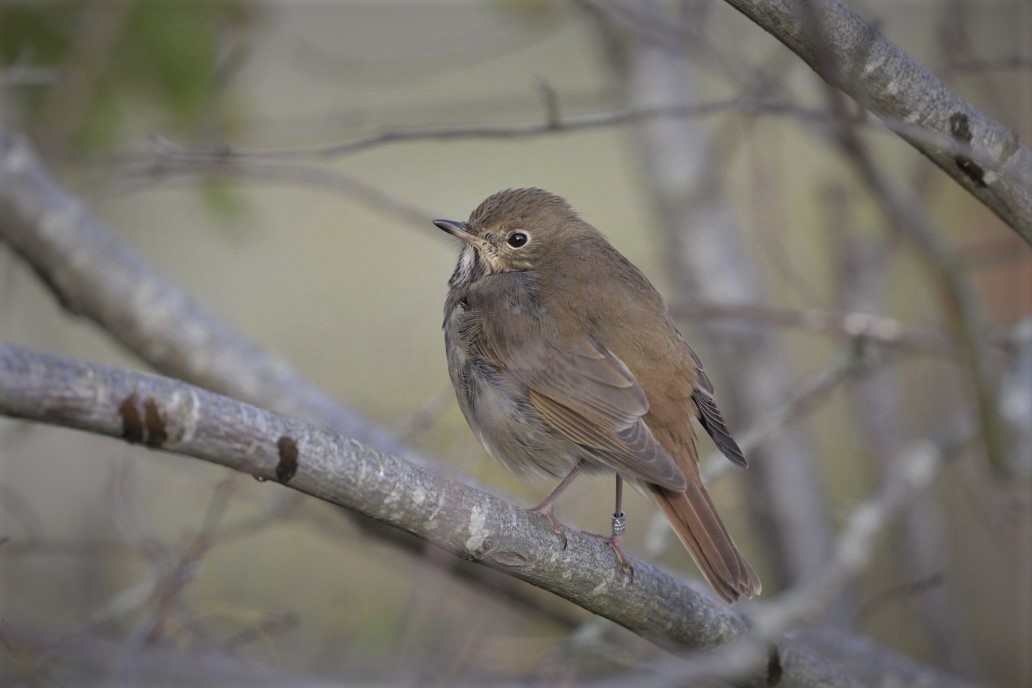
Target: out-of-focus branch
{"points": [[552, 124], [778, 416], [173, 416], [135, 177], [882, 77], [96, 276], [1016, 401], [881, 418], [962, 307], [94, 41], [858, 325]]}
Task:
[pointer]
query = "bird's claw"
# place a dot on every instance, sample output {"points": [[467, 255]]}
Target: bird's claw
{"points": [[557, 527], [614, 542]]}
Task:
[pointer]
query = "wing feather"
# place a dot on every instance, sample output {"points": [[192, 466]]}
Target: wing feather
{"points": [[712, 420], [587, 394]]}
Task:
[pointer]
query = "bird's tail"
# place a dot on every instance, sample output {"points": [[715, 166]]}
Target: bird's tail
{"points": [[695, 520]]}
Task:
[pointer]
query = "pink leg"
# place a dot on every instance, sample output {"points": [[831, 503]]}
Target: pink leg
{"points": [[619, 523], [546, 507]]}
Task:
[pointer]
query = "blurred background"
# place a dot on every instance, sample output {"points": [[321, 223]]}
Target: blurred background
{"points": [[755, 225]]}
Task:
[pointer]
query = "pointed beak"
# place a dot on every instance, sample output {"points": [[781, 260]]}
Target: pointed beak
{"points": [[456, 229]]}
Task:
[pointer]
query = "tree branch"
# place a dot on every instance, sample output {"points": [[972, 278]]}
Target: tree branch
{"points": [[94, 275], [885, 79], [960, 299], [858, 325], [172, 416], [203, 160]]}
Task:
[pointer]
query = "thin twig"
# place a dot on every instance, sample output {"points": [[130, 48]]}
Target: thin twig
{"points": [[801, 402], [856, 325], [221, 154], [133, 178], [962, 306]]}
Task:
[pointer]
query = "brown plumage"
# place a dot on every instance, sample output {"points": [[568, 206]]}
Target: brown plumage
{"points": [[564, 358]]}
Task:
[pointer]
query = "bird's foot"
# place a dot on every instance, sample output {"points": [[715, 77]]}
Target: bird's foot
{"points": [[619, 523], [545, 509], [614, 542]]}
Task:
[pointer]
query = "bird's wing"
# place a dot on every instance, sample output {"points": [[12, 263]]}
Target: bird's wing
{"points": [[587, 394], [712, 420]]}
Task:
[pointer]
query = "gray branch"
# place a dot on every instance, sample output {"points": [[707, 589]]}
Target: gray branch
{"points": [[880, 413], [176, 417], [94, 275], [882, 77]]}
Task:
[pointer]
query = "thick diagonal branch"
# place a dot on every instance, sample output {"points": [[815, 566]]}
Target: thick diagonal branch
{"points": [[173, 416], [855, 57]]}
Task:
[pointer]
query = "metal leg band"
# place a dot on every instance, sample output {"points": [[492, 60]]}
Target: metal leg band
{"points": [[619, 523]]}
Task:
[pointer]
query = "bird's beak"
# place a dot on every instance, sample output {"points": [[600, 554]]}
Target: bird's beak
{"points": [[456, 229]]}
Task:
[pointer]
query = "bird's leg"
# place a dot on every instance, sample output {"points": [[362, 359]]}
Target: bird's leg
{"points": [[546, 507], [619, 523]]}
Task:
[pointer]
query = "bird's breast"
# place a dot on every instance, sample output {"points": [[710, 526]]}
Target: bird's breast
{"points": [[481, 339]]}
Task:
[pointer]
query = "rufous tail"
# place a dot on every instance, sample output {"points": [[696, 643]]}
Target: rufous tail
{"points": [[694, 518]]}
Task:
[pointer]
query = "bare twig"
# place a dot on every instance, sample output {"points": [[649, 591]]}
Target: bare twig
{"points": [[426, 416], [203, 158], [800, 402], [962, 307], [855, 324], [1016, 400], [821, 23], [551, 124], [913, 471], [135, 177], [881, 418]]}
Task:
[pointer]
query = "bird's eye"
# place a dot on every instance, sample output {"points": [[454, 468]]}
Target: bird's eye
{"points": [[517, 239]]}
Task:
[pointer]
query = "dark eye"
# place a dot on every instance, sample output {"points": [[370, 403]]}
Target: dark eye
{"points": [[517, 239]]}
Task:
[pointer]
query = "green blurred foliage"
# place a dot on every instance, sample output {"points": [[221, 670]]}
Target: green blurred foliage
{"points": [[35, 32], [165, 54]]}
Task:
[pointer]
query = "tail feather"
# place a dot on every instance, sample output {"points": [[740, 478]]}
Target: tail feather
{"points": [[694, 518]]}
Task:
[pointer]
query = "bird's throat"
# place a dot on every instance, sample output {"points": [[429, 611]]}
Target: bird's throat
{"points": [[470, 268]]}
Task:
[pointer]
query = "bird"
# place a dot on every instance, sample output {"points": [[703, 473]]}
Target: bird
{"points": [[565, 360]]}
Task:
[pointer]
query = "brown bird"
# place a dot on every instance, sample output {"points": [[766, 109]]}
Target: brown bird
{"points": [[564, 359]]}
